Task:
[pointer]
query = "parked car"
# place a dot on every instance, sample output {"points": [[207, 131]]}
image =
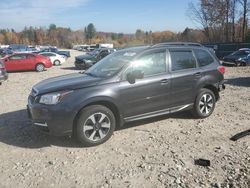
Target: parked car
{"points": [[3, 72], [5, 52], [128, 85], [56, 59], [238, 58], [86, 61], [26, 61], [55, 50], [18, 48]]}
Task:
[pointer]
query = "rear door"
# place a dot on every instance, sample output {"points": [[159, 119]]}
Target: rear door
{"points": [[29, 62], [185, 75]]}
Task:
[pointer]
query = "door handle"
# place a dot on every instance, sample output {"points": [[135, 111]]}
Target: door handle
{"points": [[164, 81], [198, 74]]}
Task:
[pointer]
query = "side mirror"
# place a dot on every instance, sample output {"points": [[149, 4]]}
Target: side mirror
{"points": [[132, 76]]}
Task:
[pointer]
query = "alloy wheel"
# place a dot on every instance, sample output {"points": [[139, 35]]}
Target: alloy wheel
{"points": [[97, 126], [206, 104]]}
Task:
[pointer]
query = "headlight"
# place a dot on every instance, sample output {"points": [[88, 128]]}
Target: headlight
{"points": [[53, 98], [240, 59]]}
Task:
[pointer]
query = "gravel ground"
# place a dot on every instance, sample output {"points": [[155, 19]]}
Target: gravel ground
{"points": [[158, 152]]}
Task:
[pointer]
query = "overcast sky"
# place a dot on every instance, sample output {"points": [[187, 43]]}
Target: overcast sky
{"points": [[107, 15]]}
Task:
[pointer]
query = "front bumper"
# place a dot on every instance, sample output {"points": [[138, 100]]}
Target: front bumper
{"points": [[83, 65], [54, 120]]}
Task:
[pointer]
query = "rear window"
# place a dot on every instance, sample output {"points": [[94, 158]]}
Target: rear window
{"points": [[203, 58], [182, 60]]}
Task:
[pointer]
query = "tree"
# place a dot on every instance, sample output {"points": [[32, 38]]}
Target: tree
{"points": [[52, 26], [233, 15], [139, 34], [90, 32], [245, 6]]}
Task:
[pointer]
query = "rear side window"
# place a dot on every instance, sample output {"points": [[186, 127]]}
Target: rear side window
{"points": [[182, 60], [203, 58]]}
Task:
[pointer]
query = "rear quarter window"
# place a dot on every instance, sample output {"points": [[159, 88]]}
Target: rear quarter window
{"points": [[203, 58]]}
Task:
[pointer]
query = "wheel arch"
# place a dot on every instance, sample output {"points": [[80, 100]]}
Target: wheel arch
{"points": [[39, 63], [110, 105], [214, 90]]}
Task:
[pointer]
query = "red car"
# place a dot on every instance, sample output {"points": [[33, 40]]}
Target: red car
{"points": [[26, 61]]}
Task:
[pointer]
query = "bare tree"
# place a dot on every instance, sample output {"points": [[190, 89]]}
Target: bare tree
{"points": [[233, 16], [245, 6], [211, 15]]}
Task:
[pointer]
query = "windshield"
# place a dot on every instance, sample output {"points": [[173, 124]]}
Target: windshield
{"points": [[113, 63], [94, 52]]}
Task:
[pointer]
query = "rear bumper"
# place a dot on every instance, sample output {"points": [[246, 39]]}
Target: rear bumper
{"points": [[221, 86]]}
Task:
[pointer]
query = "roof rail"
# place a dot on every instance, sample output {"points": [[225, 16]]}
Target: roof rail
{"points": [[178, 44]]}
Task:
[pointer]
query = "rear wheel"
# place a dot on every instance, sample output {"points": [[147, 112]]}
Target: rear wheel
{"points": [[204, 103], [40, 67], [95, 125], [57, 62]]}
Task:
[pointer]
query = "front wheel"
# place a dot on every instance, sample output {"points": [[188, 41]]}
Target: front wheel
{"points": [[204, 104], [95, 125], [40, 67]]}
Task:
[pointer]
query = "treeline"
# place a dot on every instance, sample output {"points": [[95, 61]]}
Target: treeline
{"points": [[222, 20], [218, 21], [66, 38]]}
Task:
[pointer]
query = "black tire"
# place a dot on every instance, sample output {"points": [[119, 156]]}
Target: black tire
{"points": [[57, 63], [204, 95], [40, 67], [90, 134]]}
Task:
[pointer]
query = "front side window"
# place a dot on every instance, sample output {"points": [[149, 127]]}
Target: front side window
{"points": [[151, 64], [181, 60], [203, 57]]}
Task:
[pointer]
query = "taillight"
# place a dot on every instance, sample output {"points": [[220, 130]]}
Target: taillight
{"points": [[221, 69]]}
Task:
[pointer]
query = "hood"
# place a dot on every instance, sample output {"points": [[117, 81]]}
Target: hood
{"points": [[234, 57], [66, 82], [84, 57]]}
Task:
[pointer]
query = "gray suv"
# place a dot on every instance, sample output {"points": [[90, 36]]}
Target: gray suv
{"points": [[128, 85]]}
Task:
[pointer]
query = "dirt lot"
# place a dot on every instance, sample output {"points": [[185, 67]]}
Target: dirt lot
{"points": [[157, 152]]}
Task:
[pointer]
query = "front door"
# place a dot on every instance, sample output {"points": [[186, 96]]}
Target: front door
{"points": [[150, 93], [14, 62]]}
